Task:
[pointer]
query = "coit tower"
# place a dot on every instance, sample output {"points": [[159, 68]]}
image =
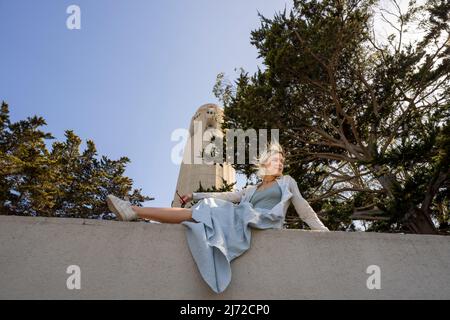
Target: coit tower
{"points": [[204, 128]]}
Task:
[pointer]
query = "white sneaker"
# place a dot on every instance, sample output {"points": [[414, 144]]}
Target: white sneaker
{"points": [[122, 209]]}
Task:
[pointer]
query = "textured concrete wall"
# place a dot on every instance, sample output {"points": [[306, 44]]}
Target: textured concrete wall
{"points": [[138, 260]]}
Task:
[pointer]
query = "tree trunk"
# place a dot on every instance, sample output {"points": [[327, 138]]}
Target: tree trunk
{"points": [[418, 221]]}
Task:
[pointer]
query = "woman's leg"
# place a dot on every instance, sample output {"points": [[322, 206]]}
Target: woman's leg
{"points": [[165, 215]]}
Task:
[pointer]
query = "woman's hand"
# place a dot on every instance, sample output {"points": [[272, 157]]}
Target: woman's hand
{"points": [[187, 197]]}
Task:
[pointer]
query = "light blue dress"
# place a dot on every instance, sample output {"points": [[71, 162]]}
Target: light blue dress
{"points": [[222, 232]]}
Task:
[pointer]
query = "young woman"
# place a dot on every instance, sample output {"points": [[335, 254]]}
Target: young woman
{"points": [[218, 226]]}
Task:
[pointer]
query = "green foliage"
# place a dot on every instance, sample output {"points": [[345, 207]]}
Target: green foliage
{"points": [[363, 123], [226, 187], [59, 183]]}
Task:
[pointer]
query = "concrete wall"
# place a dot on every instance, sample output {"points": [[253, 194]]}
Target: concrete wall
{"points": [[138, 260]]}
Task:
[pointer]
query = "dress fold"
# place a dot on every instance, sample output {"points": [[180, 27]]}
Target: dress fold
{"points": [[221, 234]]}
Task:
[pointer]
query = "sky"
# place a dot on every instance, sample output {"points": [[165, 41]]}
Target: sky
{"points": [[134, 72]]}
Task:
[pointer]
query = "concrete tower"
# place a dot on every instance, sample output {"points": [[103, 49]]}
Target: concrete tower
{"points": [[205, 124]]}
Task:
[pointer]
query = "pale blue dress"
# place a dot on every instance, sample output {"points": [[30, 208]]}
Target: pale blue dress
{"points": [[222, 232]]}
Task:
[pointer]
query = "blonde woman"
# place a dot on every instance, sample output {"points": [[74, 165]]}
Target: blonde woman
{"points": [[218, 226]]}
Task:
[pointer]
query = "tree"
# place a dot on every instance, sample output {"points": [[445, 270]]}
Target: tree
{"points": [[62, 182], [226, 187], [365, 123]]}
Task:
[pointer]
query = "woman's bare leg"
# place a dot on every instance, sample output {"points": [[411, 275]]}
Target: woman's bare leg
{"points": [[165, 215]]}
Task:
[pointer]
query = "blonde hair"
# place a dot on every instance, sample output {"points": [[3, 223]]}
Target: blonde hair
{"points": [[272, 149]]}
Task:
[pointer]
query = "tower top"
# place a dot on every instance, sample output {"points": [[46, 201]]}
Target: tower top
{"points": [[207, 106], [210, 115]]}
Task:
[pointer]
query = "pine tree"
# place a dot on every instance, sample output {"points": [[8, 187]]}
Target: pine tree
{"points": [[365, 123], [59, 183]]}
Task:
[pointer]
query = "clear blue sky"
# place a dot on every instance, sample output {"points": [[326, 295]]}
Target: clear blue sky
{"points": [[135, 72]]}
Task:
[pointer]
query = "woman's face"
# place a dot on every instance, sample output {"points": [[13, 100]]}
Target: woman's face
{"points": [[274, 165]]}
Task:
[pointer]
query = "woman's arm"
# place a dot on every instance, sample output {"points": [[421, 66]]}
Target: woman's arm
{"points": [[304, 210], [232, 196]]}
